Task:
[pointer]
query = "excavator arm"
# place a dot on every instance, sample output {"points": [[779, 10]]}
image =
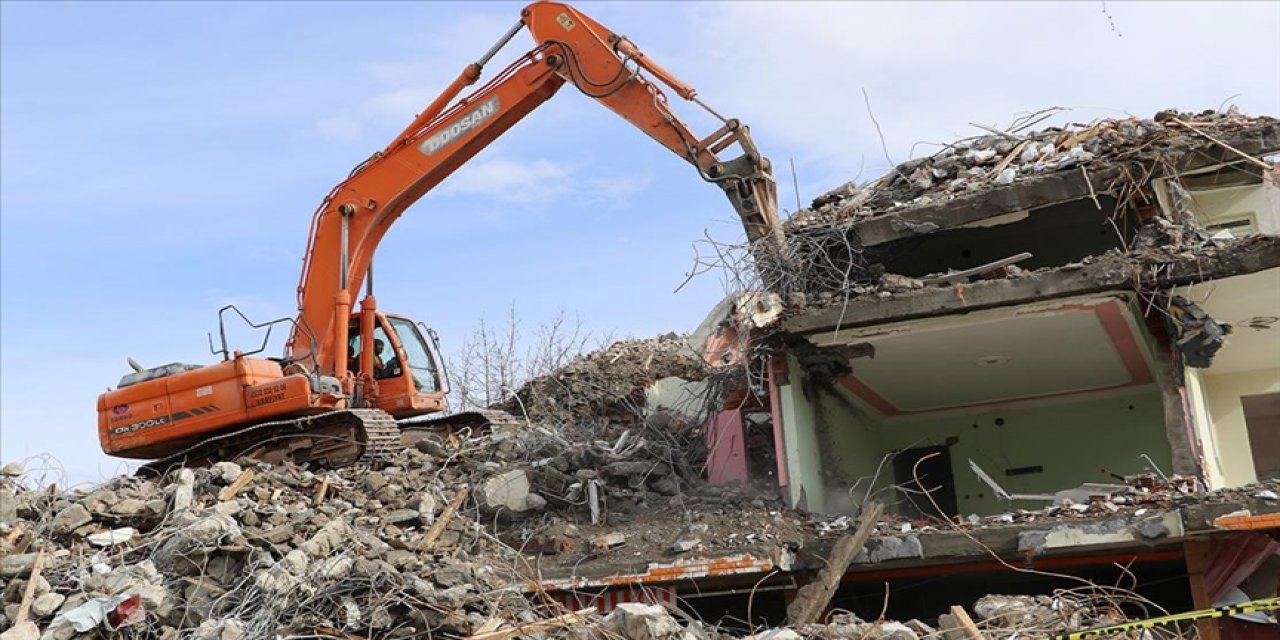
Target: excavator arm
{"points": [[571, 47]]}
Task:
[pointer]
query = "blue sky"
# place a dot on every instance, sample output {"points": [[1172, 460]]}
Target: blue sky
{"points": [[160, 160]]}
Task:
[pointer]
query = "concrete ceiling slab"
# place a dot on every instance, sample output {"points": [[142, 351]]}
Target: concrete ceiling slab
{"points": [[999, 356]]}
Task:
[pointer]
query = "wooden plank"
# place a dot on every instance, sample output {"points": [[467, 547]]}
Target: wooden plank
{"points": [[950, 628], [445, 516], [29, 594], [234, 488], [977, 271], [965, 623], [322, 491], [813, 598]]}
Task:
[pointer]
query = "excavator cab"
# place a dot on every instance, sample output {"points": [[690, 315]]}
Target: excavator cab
{"points": [[406, 376]]}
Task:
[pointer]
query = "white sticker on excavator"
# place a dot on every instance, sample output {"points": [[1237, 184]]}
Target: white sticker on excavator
{"points": [[204, 391], [467, 122]]}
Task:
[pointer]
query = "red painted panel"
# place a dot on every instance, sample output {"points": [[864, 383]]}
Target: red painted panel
{"points": [[775, 407], [726, 449]]}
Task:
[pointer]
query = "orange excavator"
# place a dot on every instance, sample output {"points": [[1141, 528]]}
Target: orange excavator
{"points": [[347, 375]]}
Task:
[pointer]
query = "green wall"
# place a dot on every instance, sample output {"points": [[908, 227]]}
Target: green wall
{"points": [[852, 450], [1072, 441], [804, 464]]}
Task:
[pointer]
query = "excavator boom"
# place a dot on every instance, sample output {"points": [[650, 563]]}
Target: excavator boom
{"points": [[571, 47], [346, 372]]}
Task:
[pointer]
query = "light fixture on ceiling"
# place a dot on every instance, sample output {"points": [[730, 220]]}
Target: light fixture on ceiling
{"points": [[991, 361]]}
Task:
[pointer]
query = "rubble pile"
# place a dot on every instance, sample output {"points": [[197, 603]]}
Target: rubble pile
{"points": [[443, 540], [354, 553], [248, 551], [1002, 159], [606, 386], [440, 539]]}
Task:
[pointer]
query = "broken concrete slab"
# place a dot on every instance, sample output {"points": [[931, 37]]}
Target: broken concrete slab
{"points": [[959, 188], [1107, 532], [1104, 273], [886, 548]]}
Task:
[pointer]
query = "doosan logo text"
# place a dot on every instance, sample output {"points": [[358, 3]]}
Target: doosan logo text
{"points": [[460, 126]]}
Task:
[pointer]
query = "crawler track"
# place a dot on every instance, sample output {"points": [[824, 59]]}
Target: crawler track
{"points": [[335, 439], [477, 421]]}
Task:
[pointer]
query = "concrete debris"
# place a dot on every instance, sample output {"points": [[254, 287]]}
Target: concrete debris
{"points": [[849, 242], [112, 537], [1199, 336], [607, 385], [71, 518], [686, 544], [643, 622], [994, 161], [22, 631], [281, 563], [46, 605], [509, 491], [444, 538]]}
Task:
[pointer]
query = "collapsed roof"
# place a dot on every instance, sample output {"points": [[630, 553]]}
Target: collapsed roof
{"points": [[971, 169], [1013, 203]]}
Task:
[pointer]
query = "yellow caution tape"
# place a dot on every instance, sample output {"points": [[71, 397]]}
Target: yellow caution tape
{"points": [[1253, 606]]}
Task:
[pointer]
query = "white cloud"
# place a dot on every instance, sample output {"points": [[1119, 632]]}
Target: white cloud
{"points": [[399, 104], [795, 71], [431, 61], [615, 190], [532, 183], [537, 183]]}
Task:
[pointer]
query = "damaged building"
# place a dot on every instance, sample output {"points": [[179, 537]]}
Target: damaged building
{"points": [[1040, 305], [1026, 386], [1026, 322]]}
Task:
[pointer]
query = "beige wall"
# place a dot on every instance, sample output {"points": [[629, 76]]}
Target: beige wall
{"points": [[1198, 404], [1246, 366], [1259, 203], [1223, 393]]}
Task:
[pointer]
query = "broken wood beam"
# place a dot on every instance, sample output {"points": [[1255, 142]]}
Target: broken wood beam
{"points": [[322, 491], [234, 488], [812, 599], [445, 516], [964, 624], [28, 594]]}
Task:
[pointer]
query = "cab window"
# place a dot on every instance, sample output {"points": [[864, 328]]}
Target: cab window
{"points": [[421, 364], [385, 364]]}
